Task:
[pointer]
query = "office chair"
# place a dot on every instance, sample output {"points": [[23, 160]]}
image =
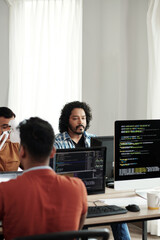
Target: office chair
{"points": [[70, 235]]}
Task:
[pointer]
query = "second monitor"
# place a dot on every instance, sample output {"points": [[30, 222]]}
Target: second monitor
{"points": [[108, 142], [85, 163]]}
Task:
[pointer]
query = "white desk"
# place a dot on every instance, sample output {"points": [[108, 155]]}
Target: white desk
{"points": [[143, 215]]}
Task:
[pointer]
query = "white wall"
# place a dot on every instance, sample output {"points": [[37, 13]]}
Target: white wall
{"points": [[114, 61], [4, 52]]}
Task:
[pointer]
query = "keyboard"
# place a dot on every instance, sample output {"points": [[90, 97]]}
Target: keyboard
{"points": [[105, 210]]}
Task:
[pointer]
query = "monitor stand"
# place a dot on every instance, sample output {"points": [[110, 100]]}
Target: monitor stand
{"points": [[110, 184]]}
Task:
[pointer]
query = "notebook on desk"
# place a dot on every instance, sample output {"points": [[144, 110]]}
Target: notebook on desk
{"points": [[121, 202], [143, 192]]}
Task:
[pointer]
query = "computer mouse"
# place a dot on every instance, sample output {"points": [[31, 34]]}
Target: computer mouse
{"points": [[133, 208]]}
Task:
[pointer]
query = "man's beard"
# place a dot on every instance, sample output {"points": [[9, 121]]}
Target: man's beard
{"points": [[75, 132]]}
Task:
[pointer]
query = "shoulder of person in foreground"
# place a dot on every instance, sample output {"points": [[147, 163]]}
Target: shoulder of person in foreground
{"points": [[72, 183], [83, 193], [85, 205]]}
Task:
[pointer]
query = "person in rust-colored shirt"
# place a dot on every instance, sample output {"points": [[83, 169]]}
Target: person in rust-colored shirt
{"points": [[9, 157], [40, 201], [9, 151]]}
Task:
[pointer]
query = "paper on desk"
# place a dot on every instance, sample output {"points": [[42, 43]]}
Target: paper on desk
{"points": [[122, 202]]}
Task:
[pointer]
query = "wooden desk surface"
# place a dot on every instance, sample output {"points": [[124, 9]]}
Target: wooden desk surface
{"points": [[143, 214]]}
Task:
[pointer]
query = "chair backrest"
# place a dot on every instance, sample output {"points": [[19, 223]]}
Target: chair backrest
{"points": [[70, 235]]}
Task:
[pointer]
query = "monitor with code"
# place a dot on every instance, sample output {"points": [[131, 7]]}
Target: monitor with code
{"points": [[137, 154], [87, 164]]}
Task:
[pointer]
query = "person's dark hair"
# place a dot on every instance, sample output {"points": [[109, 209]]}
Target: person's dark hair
{"points": [[66, 112], [6, 112], [37, 136]]}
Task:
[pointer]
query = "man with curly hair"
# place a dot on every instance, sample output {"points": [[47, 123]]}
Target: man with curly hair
{"points": [[74, 121]]}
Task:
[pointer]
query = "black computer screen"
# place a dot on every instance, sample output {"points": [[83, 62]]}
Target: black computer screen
{"points": [[87, 164], [108, 142], [137, 149]]}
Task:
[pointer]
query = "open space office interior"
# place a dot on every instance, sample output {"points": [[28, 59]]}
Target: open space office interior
{"points": [[102, 52]]}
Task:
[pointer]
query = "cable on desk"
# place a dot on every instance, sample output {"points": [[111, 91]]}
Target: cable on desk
{"points": [[95, 202]]}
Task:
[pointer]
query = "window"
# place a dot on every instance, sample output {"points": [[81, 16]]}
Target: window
{"points": [[45, 57]]}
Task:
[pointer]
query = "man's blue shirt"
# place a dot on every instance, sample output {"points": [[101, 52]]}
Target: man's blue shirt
{"points": [[63, 140]]}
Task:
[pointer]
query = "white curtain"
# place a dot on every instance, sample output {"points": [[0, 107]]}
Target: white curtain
{"points": [[153, 104], [45, 51], [153, 28]]}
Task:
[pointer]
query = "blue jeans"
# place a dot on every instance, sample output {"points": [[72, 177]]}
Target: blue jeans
{"points": [[120, 231]]}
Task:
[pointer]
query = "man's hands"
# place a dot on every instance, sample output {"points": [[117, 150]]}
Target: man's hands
{"points": [[3, 138]]}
